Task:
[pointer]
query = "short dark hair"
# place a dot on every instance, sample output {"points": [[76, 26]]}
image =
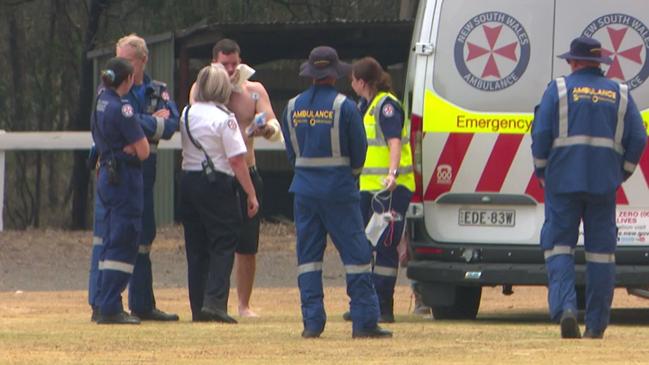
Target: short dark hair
{"points": [[117, 70], [225, 46]]}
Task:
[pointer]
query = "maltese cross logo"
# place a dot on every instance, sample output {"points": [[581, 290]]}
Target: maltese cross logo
{"points": [[492, 51], [491, 67], [624, 39]]}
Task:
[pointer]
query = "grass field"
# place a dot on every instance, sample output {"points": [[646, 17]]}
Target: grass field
{"points": [[54, 328]]}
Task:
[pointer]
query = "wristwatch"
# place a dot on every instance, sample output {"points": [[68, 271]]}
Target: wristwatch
{"points": [[394, 173]]}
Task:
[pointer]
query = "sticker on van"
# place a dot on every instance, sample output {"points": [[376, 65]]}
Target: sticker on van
{"points": [[492, 51], [626, 40]]}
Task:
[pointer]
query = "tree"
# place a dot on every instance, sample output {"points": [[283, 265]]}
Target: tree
{"points": [[49, 80], [80, 174]]}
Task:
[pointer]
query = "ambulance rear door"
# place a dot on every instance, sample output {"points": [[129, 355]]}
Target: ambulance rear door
{"points": [[622, 26], [492, 62]]}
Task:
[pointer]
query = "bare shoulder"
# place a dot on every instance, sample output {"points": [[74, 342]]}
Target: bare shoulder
{"points": [[256, 86]]}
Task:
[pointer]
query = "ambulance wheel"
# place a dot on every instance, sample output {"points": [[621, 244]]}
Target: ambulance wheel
{"points": [[581, 297], [466, 303]]}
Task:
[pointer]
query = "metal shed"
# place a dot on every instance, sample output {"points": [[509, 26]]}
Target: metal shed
{"points": [[176, 57]]}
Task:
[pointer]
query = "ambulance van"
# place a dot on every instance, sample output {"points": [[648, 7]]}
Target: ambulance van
{"points": [[476, 70]]}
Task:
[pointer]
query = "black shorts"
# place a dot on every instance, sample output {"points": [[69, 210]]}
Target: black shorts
{"points": [[249, 237]]}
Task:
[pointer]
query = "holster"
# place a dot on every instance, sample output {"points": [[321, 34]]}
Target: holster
{"points": [[112, 168], [91, 160], [209, 171]]}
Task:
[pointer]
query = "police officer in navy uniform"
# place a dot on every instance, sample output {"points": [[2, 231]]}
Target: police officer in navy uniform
{"points": [[158, 117], [325, 142], [587, 138], [122, 146]]}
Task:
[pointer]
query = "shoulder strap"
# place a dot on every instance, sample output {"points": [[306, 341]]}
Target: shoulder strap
{"points": [[189, 134], [223, 108]]}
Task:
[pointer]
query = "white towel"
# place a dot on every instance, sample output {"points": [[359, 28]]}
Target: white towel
{"points": [[241, 75]]}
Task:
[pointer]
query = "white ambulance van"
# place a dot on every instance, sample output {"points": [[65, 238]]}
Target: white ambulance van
{"points": [[476, 70]]}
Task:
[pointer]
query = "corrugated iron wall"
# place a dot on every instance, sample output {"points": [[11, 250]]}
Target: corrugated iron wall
{"points": [[161, 67]]}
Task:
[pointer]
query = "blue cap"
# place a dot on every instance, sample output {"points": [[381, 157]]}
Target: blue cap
{"points": [[586, 49]]}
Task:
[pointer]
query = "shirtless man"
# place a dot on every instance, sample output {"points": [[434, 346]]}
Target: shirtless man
{"points": [[247, 101]]}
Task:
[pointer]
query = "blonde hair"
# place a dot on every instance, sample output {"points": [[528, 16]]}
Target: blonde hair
{"points": [[213, 84], [136, 42]]}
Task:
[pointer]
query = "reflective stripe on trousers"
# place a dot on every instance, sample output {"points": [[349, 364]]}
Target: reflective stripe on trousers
{"points": [[386, 271], [600, 258], [358, 269], [559, 250], [116, 265], [309, 267]]}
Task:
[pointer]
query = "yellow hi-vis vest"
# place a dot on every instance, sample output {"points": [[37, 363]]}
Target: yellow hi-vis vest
{"points": [[377, 162]]}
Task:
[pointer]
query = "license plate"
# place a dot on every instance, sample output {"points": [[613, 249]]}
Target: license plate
{"points": [[487, 217]]}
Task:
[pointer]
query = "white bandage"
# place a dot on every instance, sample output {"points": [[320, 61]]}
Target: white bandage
{"points": [[277, 130]]}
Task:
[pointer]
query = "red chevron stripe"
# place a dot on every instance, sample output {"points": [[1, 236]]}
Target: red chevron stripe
{"points": [[501, 158], [620, 197], [452, 156], [534, 189], [644, 165]]}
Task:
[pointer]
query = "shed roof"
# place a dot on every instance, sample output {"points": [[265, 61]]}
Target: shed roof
{"points": [[386, 39]]}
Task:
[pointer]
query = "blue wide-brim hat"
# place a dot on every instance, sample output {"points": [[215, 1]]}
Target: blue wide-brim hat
{"points": [[586, 49], [324, 62]]}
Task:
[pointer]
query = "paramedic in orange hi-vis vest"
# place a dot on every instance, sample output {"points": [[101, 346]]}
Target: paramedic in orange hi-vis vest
{"points": [[587, 138]]}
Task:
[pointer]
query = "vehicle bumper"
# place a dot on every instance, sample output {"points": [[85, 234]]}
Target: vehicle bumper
{"points": [[467, 274]]}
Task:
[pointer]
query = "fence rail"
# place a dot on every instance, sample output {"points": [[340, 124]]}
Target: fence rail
{"points": [[61, 141]]}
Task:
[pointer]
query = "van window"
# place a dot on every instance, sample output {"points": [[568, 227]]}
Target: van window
{"points": [[494, 55]]}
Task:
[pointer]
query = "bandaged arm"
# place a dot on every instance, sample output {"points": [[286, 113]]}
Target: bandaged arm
{"points": [[273, 124]]}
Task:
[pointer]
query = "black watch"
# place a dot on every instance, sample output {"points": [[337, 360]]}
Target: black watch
{"points": [[394, 173]]}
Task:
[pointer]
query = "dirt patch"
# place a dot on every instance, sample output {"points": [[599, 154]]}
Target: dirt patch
{"points": [[41, 260]]}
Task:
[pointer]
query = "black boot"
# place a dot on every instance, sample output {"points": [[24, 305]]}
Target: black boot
{"points": [[156, 315], [593, 334], [569, 325], [376, 332], [310, 334], [119, 318], [216, 315]]}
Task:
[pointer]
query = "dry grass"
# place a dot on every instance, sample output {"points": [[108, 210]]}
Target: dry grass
{"points": [[54, 328]]}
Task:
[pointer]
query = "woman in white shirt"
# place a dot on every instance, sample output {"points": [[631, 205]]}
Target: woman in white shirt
{"points": [[213, 153]]}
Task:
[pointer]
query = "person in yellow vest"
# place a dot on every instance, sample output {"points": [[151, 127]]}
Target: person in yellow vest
{"points": [[387, 180]]}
